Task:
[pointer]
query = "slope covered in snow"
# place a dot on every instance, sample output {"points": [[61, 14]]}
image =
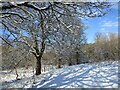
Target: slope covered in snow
{"points": [[82, 76], [101, 75]]}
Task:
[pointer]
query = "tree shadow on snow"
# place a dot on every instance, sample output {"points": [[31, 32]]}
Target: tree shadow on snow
{"points": [[81, 77]]}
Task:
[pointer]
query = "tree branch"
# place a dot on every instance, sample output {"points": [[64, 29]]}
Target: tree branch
{"points": [[26, 4], [12, 13]]}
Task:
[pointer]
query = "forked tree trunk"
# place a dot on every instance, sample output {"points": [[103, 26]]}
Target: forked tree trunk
{"points": [[38, 61], [40, 53]]}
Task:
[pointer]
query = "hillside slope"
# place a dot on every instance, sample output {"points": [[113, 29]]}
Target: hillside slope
{"points": [[102, 75]]}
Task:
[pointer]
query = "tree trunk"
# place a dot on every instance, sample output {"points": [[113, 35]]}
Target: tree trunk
{"points": [[70, 62], [38, 62], [59, 63], [77, 58], [38, 66]]}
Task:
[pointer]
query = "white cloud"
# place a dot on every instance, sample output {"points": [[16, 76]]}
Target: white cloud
{"points": [[107, 25], [103, 30], [110, 24]]}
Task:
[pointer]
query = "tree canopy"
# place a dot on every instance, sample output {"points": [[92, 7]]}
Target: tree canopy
{"points": [[37, 23]]}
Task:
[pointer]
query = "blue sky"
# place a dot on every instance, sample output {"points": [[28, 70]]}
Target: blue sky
{"points": [[105, 24]]}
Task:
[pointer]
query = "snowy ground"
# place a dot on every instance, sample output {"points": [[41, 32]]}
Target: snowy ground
{"points": [[102, 75]]}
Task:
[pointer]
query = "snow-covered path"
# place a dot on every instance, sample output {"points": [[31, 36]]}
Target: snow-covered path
{"points": [[82, 76]]}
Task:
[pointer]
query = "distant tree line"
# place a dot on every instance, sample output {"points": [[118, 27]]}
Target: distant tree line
{"points": [[104, 48]]}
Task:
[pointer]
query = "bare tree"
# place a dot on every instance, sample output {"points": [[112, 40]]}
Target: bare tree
{"points": [[34, 23]]}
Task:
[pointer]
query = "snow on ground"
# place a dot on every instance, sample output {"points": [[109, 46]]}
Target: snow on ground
{"points": [[8, 78], [26, 77], [101, 75]]}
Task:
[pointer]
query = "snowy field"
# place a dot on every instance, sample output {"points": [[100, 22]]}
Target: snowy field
{"points": [[100, 75]]}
